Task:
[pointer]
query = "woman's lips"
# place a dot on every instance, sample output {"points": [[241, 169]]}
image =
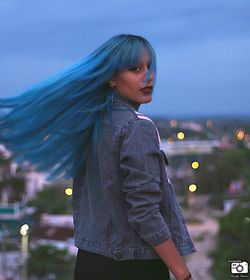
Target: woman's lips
{"points": [[147, 89]]}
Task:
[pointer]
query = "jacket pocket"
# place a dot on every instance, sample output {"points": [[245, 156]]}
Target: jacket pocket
{"points": [[165, 205], [171, 204]]}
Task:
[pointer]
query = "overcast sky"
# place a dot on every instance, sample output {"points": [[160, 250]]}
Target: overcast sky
{"points": [[203, 47]]}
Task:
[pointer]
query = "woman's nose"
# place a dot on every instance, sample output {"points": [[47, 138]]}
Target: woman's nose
{"points": [[149, 79]]}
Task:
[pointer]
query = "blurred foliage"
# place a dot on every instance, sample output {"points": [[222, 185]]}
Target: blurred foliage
{"points": [[216, 200], [233, 240], [219, 169], [51, 200], [48, 262]]}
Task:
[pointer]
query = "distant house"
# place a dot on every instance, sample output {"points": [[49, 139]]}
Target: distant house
{"points": [[235, 190], [56, 230], [190, 147]]}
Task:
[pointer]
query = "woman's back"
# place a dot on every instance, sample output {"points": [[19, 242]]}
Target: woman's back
{"points": [[117, 199]]}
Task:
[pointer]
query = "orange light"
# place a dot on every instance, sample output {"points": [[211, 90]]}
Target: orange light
{"points": [[170, 140], [240, 134]]}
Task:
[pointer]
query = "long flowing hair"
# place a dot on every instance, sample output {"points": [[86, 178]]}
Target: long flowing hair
{"points": [[50, 124]]}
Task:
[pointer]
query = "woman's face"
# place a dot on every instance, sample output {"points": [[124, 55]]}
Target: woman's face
{"points": [[131, 86]]}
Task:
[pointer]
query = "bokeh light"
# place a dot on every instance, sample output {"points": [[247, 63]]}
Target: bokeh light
{"points": [[180, 135], [192, 187], [247, 220], [240, 134], [195, 164], [173, 123], [170, 140], [247, 137], [68, 191]]}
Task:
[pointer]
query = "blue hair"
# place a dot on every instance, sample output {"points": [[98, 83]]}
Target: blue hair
{"points": [[50, 124]]}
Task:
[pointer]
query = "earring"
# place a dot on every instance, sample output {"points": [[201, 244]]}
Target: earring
{"points": [[112, 84]]}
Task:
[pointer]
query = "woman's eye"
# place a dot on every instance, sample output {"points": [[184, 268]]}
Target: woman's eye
{"points": [[135, 69]]}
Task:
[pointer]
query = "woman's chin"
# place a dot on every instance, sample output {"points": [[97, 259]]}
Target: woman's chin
{"points": [[147, 99]]}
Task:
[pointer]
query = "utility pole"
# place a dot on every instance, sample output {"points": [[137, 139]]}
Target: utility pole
{"points": [[25, 247]]}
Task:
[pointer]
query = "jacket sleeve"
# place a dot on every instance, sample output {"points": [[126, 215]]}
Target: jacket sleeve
{"points": [[139, 162]]}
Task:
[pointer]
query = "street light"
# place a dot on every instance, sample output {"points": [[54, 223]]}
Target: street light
{"points": [[68, 191], [191, 196], [192, 188], [180, 135], [24, 229], [25, 246], [195, 164]]}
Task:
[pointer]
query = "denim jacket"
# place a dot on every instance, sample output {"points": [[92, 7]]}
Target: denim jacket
{"points": [[124, 204]]}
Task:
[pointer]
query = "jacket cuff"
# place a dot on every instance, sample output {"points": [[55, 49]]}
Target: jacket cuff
{"points": [[158, 238]]}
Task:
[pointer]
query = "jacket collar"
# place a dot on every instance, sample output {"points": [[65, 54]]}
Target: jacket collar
{"points": [[119, 99]]}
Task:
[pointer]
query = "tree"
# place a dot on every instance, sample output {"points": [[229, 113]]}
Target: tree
{"points": [[48, 261], [233, 239], [219, 169], [51, 200]]}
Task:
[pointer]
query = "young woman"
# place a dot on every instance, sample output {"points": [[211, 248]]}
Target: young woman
{"points": [[84, 123]]}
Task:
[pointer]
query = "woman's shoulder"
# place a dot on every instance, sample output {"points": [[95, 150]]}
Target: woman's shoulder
{"points": [[140, 116], [123, 113]]}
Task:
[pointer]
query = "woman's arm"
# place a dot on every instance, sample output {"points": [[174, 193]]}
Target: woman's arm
{"points": [[140, 171], [173, 260], [139, 163]]}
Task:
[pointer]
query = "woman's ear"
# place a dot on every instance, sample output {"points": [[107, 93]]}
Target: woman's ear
{"points": [[112, 83]]}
